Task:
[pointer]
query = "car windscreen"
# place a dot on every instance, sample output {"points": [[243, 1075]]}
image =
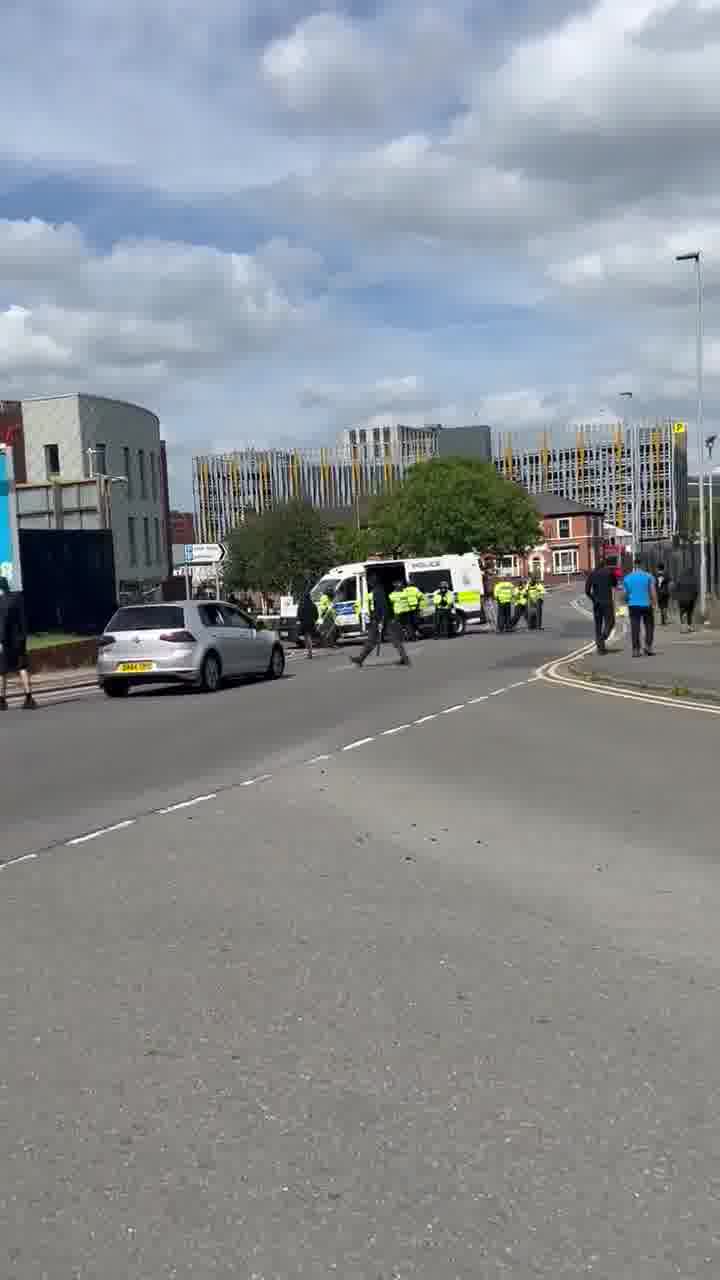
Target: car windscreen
{"points": [[139, 618], [327, 586], [428, 580]]}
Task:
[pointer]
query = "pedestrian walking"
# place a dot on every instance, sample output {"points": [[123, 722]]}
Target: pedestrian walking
{"points": [[383, 623], [686, 594], [307, 622], [662, 588], [503, 595], [600, 589], [641, 598], [13, 645]]}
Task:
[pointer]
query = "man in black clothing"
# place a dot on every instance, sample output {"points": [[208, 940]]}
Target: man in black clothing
{"points": [[600, 588], [662, 588], [382, 619], [13, 645]]}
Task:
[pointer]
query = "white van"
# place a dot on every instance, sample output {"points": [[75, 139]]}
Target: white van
{"points": [[347, 583]]}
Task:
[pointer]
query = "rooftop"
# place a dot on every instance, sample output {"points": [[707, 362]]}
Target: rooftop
{"points": [[551, 504]]}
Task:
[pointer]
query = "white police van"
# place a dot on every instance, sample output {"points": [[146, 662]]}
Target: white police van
{"points": [[347, 584]]}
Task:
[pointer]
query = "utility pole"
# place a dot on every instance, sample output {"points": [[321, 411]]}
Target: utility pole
{"points": [[696, 257], [710, 444], [630, 437]]}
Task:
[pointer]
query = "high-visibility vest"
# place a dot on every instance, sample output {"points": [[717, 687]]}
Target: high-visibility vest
{"points": [[536, 591], [504, 592], [444, 599], [325, 605], [399, 602], [414, 597], [521, 596]]}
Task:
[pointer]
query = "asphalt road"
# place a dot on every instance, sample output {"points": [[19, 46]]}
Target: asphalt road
{"points": [[442, 1005]]}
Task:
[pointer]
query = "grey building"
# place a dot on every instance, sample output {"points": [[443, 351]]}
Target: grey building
{"points": [[74, 438]]}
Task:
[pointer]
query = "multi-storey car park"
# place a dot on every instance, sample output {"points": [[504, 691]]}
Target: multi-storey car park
{"points": [[617, 469]]}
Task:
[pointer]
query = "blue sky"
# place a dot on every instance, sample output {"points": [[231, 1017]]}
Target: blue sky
{"points": [[271, 219]]}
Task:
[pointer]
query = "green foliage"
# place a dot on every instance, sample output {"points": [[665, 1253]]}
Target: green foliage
{"points": [[448, 506], [352, 544], [279, 550]]}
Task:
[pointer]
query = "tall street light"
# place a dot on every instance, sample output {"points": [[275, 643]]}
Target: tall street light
{"points": [[709, 445], [630, 437], [696, 257]]}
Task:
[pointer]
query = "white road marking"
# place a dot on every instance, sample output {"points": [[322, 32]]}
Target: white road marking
{"points": [[250, 782], [399, 728], [552, 673], [12, 862], [187, 804], [361, 742], [317, 759], [518, 684], [474, 701], [103, 831], [425, 719], [449, 710], [496, 693]]}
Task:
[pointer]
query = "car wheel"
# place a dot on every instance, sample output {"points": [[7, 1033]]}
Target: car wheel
{"points": [[116, 688], [460, 624], [276, 666], [211, 674]]}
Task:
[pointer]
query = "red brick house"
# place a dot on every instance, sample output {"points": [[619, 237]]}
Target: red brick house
{"points": [[572, 542]]}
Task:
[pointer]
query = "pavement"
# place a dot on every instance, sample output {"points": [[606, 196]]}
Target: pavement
{"points": [[686, 665], [421, 980]]}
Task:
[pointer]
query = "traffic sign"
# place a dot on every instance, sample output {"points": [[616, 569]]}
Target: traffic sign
{"points": [[205, 553], [678, 428]]}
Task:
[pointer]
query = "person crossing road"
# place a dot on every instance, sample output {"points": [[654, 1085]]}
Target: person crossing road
{"points": [[382, 622]]}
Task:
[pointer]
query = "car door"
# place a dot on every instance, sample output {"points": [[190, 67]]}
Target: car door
{"points": [[217, 635], [242, 640]]}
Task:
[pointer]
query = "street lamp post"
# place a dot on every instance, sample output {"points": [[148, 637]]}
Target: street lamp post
{"points": [[710, 444], [630, 437], [696, 257]]}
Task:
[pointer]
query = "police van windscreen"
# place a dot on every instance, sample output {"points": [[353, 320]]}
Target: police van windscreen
{"points": [[326, 586], [428, 580]]}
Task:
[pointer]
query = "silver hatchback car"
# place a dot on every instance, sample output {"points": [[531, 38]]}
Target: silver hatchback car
{"points": [[198, 642]]}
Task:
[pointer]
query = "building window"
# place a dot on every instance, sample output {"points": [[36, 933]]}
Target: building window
{"points": [[508, 565], [52, 461], [132, 539], [100, 456], [158, 541], [153, 477], [565, 561], [127, 468], [146, 539], [564, 527], [143, 476]]}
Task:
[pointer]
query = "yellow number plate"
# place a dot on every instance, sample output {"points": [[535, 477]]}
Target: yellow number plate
{"points": [[135, 668]]}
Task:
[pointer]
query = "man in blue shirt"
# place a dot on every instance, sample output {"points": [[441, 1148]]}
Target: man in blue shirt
{"points": [[641, 597]]}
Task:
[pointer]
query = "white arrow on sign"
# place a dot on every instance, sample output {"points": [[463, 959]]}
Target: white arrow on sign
{"points": [[205, 553]]}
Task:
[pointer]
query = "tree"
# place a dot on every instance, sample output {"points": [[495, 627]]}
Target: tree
{"points": [[280, 550], [352, 544], [448, 506]]}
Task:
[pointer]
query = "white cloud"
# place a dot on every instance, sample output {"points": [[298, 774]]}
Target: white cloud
{"points": [[384, 398]]}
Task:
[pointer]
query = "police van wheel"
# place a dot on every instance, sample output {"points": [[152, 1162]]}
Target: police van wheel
{"points": [[460, 624]]}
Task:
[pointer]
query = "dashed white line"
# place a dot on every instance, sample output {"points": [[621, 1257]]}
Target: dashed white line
{"points": [[250, 782], [496, 692], [187, 804], [518, 684], [361, 742], [12, 862], [474, 701], [449, 710], [426, 719], [318, 759], [399, 728], [103, 831]]}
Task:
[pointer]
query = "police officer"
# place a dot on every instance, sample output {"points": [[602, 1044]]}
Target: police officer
{"points": [[521, 603], [326, 619], [415, 602], [503, 594], [536, 597], [382, 619], [444, 601]]}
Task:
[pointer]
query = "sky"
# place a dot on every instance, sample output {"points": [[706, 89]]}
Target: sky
{"points": [[268, 220]]}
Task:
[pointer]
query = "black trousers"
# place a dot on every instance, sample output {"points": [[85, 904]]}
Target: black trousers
{"points": [[687, 609], [663, 606], [604, 615], [539, 613], [504, 616], [641, 617], [443, 623], [376, 632]]}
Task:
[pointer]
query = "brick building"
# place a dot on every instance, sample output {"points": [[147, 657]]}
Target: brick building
{"points": [[573, 537]]}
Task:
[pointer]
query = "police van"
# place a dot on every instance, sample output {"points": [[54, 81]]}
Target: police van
{"points": [[347, 585]]}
